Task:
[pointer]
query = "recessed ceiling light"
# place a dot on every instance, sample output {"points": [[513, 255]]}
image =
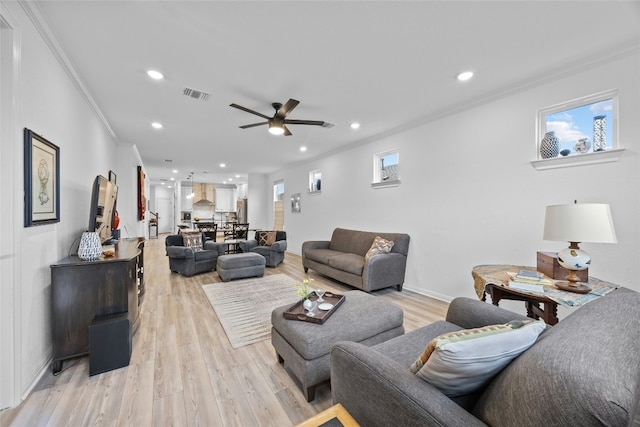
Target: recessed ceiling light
{"points": [[156, 75], [230, 179], [464, 76], [172, 179], [175, 171], [355, 125], [162, 183], [156, 125], [222, 165], [237, 176], [303, 149]]}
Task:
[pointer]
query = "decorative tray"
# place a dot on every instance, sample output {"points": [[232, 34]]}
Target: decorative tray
{"points": [[297, 311]]}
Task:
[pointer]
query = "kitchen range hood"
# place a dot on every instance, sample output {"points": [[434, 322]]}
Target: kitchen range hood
{"points": [[203, 201]]}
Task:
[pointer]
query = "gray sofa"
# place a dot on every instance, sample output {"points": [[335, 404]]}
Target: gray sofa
{"points": [[584, 371], [343, 258]]}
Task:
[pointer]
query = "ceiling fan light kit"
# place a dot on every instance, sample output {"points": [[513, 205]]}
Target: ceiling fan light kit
{"points": [[277, 123], [275, 129]]}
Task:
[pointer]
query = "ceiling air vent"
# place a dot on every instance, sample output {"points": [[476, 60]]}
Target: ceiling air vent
{"points": [[195, 94]]}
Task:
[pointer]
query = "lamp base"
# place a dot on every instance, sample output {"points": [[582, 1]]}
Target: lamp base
{"points": [[576, 287]]}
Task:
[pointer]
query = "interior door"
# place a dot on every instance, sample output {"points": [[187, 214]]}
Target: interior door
{"points": [[166, 217]]}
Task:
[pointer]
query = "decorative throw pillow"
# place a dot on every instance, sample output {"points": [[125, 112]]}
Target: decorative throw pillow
{"points": [[271, 238], [379, 246], [266, 238], [461, 362], [193, 240], [262, 238]]}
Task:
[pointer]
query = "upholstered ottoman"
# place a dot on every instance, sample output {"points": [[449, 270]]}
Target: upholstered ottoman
{"points": [[304, 347], [240, 266]]}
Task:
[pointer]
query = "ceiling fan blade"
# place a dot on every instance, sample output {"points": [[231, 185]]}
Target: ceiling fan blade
{"points": [[252, 125], [286, 131], [240, 107], [287, 108], [305, 122]]}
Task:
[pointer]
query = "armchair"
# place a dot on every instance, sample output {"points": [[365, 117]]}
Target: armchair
{"points": [[582, 371], [274, 253], [187, 261]]}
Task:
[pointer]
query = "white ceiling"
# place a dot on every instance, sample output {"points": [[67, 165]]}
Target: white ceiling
{"points": [[388, 65]]}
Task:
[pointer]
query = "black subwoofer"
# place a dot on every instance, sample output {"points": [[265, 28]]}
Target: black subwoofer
{"points": [[109, 343]]}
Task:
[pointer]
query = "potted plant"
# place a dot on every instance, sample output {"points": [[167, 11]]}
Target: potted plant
{"points": [[304, 293]]}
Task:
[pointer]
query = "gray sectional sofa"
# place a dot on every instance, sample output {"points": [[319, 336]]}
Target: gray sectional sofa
{"points": [[343, 258], [584, 371]]}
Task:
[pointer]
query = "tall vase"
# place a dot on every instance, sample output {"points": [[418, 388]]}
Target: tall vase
{"points": [[90, 246], [549, 146]]}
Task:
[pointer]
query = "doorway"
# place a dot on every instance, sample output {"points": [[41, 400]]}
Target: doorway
{"points": [[278, 205]]}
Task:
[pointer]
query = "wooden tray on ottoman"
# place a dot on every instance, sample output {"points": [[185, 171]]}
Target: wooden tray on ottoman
{"points": [[297, 311]]}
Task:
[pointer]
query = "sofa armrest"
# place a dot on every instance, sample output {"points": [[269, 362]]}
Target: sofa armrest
{"points": [[279, 246], [384, 270], [179, 252], [378, 391], [210, 245], [247, 245], [315, 244], [472, 313]]}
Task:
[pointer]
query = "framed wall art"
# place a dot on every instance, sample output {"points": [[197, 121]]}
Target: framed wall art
{"points": [[41, 180], [295, 203], [141, 199]]}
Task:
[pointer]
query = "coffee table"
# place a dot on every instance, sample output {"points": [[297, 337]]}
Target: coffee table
{"points": [[232, 245]]}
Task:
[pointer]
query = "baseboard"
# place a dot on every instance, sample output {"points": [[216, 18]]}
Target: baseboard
{"points": [[27, 391], [434, 295]]}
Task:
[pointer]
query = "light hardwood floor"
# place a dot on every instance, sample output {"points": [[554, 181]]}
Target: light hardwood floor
{"points": [[183, 371]]}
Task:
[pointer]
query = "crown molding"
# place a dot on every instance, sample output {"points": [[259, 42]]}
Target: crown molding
{"points": [[35, 14]]}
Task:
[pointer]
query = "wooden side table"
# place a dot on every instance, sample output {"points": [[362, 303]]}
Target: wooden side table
{"points": [[493, 279], [336, 416]]}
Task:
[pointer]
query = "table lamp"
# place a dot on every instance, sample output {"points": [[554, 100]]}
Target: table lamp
{"points": [[576, 223]]}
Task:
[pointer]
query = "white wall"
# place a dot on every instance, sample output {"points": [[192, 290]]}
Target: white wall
{"points": [[469, 194], [49, 103], [259, 202]]}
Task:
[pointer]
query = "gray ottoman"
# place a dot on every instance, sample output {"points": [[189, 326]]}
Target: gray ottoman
{"points": [[304, 347], [240, 266]]}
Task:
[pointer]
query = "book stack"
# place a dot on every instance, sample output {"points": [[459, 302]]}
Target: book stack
{"points": [[530, 281]]}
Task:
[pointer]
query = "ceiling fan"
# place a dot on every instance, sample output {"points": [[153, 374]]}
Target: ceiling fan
{"points": [[277, 123]]}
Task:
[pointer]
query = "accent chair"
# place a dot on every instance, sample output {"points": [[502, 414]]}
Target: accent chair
{"points": [[271, 246], [189, 261]]}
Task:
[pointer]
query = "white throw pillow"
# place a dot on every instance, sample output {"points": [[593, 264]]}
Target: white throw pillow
{"points": [[461, 362], [379, 246]]}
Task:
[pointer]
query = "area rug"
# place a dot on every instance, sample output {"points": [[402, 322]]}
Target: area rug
{"points": [[244, 306]]}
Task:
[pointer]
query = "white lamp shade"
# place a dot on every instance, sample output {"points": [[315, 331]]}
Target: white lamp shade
{"points": [[585, 222]]}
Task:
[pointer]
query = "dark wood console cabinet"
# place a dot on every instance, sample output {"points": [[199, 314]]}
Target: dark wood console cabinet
{"points": [[82, 290]]}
